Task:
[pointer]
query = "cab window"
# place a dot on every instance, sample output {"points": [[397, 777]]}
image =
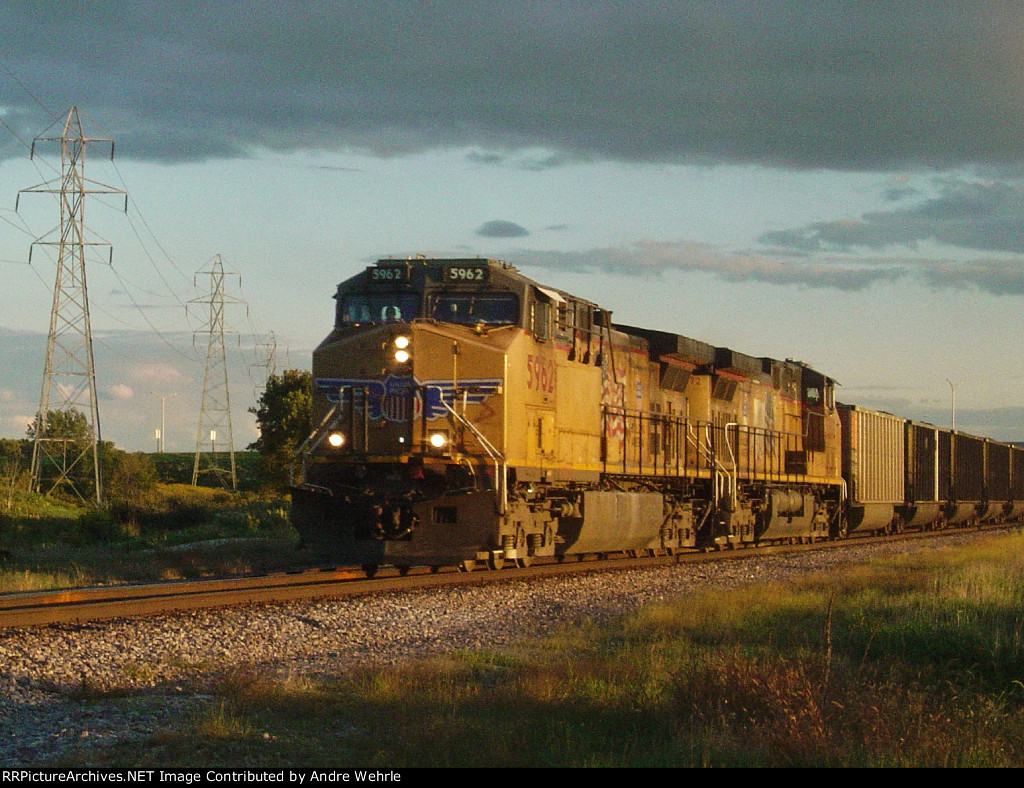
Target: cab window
{"points": [[377, 308], [491, 309]]}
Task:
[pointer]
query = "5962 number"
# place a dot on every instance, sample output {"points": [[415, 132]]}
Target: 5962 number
{"points": [[389, 274], [540, 374], [466, 273]]}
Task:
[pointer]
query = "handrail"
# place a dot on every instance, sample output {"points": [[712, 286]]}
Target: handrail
{"points": [[496, 456], [305, 448]]}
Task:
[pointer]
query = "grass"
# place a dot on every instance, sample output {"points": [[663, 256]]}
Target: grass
{"points": [[917, 661], [173, 532]]}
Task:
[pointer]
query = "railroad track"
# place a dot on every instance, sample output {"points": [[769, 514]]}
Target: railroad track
{"points": [[133, 601]]}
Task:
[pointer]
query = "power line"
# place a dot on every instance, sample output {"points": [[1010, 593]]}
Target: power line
{"points": [[268, 364], [215, 413], [69, 377], [151, 248], [28, 92], [24, 228]]}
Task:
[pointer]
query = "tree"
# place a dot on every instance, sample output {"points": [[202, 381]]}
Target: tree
{"points": [[15, 456], [63, 456], [283, 416], [128, 480], [69, 425]]}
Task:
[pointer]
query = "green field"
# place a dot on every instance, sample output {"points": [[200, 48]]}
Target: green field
{"points": [[917, 661]]}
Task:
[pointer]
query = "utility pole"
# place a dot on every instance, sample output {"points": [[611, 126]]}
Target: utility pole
{"points": [[160, 438], [952, 403], [215, 413], [62, 443]]}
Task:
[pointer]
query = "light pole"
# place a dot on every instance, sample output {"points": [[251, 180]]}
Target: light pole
{"points": [[952, 402], [160, 438]]}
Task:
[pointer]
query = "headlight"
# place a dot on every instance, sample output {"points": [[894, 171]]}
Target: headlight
{"points": [[438, 440], [402, 345], [336, 440]]}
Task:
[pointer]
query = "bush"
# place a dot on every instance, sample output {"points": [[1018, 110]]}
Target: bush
{"points": [[169, 507], [101, 526]]}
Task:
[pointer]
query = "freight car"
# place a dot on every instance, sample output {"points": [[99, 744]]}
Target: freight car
{"points": [[905, 474], [467, 415]]}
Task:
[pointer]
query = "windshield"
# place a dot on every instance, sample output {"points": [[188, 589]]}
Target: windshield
{"points": [[495, 309], [378, 308]]}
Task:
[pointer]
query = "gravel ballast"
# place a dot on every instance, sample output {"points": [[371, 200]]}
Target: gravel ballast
{"points": [[75, 688]]}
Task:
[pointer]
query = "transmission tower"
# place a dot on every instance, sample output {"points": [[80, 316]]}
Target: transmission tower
{"points": [[67, 426], [269, 363], [215, 415]]}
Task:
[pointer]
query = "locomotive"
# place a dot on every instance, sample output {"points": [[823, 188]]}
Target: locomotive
{"points": [[467, 415]]}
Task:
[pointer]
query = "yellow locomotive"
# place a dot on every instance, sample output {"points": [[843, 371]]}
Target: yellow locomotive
{"points": [[466, 414]]}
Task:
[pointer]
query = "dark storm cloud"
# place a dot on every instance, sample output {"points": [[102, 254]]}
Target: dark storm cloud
{"points": [[967, 215], [501, 229], [998, 277], [656, 258], [796, 84], [898, 191]]}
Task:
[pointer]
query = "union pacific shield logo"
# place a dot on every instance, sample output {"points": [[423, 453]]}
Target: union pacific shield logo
{"points": [[401, 398]]}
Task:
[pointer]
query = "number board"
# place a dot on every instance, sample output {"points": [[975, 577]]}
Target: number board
{"points": [[467, 273], [391, 273]]}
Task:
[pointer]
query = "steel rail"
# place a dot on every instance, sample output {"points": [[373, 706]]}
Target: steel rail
{"points": [[75, 606]]}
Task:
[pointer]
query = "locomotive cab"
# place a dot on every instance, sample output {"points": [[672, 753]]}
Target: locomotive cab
{"points": [[409, 403]]}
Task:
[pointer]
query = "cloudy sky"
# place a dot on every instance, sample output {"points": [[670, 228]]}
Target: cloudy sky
{"points": [[841, 183]]}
